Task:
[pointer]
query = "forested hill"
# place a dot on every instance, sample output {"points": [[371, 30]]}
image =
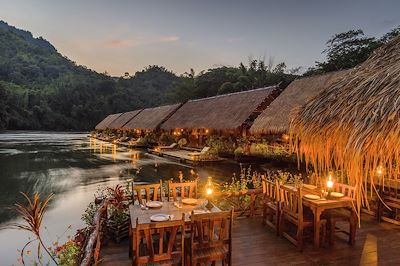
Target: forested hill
{"points": [[41, 89]]}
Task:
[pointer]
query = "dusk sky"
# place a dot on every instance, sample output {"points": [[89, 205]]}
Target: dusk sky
{"points": [[119, 36]]}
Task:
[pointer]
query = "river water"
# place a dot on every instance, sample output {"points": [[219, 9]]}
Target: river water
{"points": [[73, 167]]}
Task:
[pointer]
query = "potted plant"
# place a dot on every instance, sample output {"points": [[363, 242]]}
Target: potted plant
{"points": [[118, 216]]}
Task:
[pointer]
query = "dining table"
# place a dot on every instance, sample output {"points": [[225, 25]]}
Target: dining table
{"points": [[318, 206], [173, 209]]}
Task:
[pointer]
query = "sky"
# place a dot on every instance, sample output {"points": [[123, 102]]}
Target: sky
{"points": [[120, 36]]}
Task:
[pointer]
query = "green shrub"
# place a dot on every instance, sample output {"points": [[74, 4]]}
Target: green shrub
{"points": [[166, 139]]}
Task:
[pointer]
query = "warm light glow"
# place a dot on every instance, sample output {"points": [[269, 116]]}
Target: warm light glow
{"points": [[209, 187], [380, 170], [285, 137], [329, 183], [206, 131]]}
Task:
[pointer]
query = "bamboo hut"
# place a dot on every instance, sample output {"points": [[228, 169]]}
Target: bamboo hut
{"points": [[124, 118], [150, 119], [107, 121], [275, 118], [354, 125], [231, 113]]}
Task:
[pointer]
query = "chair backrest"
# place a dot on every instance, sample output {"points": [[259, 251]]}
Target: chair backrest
{"points": [[160, 241], [291, 202], [183, 190], [211, 230], [205, 149], [147, 192], [347, 190], [270, 190], [391, 188]]}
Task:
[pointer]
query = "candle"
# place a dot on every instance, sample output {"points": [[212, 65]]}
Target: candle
{"points": [[209, 192], [209, 186], [329, 185]]}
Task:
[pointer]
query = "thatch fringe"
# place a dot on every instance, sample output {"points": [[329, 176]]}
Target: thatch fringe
{"points": [[354, 125]]}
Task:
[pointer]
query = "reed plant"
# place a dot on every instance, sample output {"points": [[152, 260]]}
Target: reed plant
{"points": [[32, 214]]}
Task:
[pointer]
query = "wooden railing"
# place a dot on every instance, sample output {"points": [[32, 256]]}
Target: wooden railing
{"points": [[92, 249]]}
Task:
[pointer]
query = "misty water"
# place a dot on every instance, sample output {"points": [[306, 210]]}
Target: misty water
{"points": [[73, 167]]}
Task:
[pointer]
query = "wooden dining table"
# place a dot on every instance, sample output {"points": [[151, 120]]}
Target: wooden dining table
{"points": [[170, 208], [320, 205]]}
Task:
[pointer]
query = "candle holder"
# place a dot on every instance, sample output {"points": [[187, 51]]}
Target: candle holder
{"points": [[209, 192], [329, 186]]}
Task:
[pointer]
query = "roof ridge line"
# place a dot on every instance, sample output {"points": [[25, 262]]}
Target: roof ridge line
{"points": [[234, 93]]}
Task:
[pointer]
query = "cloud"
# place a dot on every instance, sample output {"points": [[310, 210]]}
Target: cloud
{"points": [[137, 41], [169, 39], [119, 43]]}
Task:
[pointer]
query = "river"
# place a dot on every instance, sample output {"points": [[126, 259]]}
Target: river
{"points": [[73, 167]]}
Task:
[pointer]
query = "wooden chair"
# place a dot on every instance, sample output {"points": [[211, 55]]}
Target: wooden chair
{"points": [[151, 192], [389, 209], [210, 238], [159, 243], [342, 215], [271, 204], [292, 211], [182, 190]]}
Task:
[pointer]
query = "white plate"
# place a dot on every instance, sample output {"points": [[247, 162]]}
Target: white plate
{"points": [[189, 201], [154, 204], [309, 186], [291, 187], [160, 217], [312, 197], [336, 195], [199, 211]]}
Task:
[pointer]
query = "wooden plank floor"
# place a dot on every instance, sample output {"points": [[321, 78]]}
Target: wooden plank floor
{"points": [[254, 244]]}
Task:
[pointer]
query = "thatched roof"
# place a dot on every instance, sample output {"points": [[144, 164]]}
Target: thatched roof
{"points": [[354, 125], [106, 121], [275, 118], [151, 118], [228, 111], [123, 119]]}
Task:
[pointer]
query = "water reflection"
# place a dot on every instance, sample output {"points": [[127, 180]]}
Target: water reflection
{"points": [[73, 167]]}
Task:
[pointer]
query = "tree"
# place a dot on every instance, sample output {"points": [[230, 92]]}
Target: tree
{"points": [[227, 87], [348, 49], [390, 35]]}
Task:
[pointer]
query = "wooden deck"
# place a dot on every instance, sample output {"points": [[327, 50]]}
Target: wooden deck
{"points": [[254, 244]]}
